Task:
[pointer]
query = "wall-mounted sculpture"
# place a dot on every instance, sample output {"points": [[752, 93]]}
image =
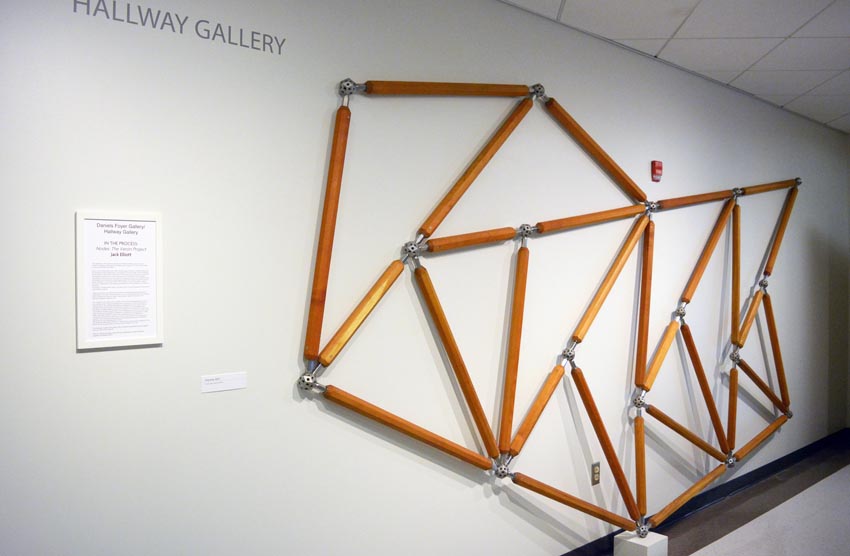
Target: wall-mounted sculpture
{"points": [[503, 445]]}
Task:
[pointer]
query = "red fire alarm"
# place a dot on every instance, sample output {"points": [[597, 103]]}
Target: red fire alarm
{"points": [[656, 170]]}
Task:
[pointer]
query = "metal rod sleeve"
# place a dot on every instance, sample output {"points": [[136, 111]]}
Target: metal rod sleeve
{"points": [[736, 273], [745, 450], [429, 294], [749, 318], [316, 314], [780, 231], [448, 243], [645, 297], [660, 354], [683, 498], [640, 464], [474, 169], [732, 418], [571, 501], [685, 433], [777, 353], [608, 282], [765, 187], [707, 251], [587, 219], [395, 422], [353, 322], [426, 88], [593, 149], [762, 385], [514, 340], [536, 410], [605, 442], [706, 390], [690, 200]]}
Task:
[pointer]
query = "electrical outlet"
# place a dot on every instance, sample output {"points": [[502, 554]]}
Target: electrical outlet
{"points": [[595, 471]]}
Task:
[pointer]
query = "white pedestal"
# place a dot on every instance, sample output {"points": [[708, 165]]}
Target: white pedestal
{"points": [[629, 544]]}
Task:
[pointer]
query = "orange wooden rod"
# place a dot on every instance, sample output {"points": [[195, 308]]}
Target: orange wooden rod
{"points": [[749, 318], [780, 231], [694, 199], [326, 235], [685, 433], [586, 219], [760, 437], [640, 464], [731, 420], [698, 487], [777, 354], [660, 354], [512, 367], [353, 322], [762, 386], [459, 367], [643, 312], [736, 273], [424, 88], [536, 410], [592, 148], [763, 188], [571, 501], [605, 442], [706, 390], [475, 168], [710, 245], [613, 272], [395, 422], [448, 243]]}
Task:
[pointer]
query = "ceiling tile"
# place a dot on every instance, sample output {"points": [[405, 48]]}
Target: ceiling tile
{"points": [[832, 22], [649, 46], [753, 18], [809, 54], [546, 8], [717, 54], [839, 85], [842, 124], [635, 19], [722, 76], [823, 108], [781, 82], [778, 100]]}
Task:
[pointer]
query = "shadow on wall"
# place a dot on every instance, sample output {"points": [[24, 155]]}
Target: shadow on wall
{"points": [[830, 256]]}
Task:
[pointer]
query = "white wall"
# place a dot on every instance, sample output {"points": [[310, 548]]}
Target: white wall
{"points": [[117, 451]]}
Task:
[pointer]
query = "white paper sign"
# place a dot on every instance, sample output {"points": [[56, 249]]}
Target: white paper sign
{"points": [[118, 280], [224, 381]]}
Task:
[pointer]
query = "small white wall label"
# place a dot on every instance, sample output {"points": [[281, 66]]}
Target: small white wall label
{"points": [[223, 381]]}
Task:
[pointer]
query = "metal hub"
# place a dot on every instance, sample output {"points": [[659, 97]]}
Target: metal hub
{"points": [[306, 381], [730, 461], [735, 357], [642, 529], [347, 87]]}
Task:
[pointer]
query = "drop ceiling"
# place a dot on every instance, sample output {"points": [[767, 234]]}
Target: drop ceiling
{"points": [[792, 53]]}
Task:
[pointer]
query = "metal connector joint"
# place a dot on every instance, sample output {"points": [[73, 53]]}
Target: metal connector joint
{"points": [[308, 383], [412, 250], [348, 87], [735, 357], [525, 231], [681, 311], [642, 528], [737, 192], [502, 466], [651, 206], [789, 414], [538, 91], [639, 399], [731, 460], [763, 284], [799, 181]]}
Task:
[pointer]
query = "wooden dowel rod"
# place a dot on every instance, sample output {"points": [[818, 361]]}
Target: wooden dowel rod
{"points": [[605, 442], [765, 187], [571, 501], [395, 422], [587, 219], [698, 487], [678, 202], [760, 437], [780, 231], [645, 297], [777, 354], [429, 294], [749, 318], [535, 410], [706, 390], [660, 354], [640, 464], [424, 88], [736, 273], [593, 149], [731, 420], [448, 243], [324, 249], [610, 278], [474, 169], [353, 322], [685, 433], [710, 245], [762, 385], [514, 340]]}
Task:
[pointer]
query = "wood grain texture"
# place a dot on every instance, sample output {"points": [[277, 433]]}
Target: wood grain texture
{"points": [[324, 248], [780, 231], [611, 277], [568, 500], [645, 298], [683, 498], [705, 389], [363, 309], [475, 168], [736, 273], [707, 251], [588, 219], [536, 410], [605, 443], [777, 353], [762, 385], [592, 148], [685, 433], [640, 464], [732, 418], [749, 318], [660, 354], [690, 200], [438, 316], [514, 340], [343, 398], [765, 187], [760, 437], [449, 243], [429, 88]]}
